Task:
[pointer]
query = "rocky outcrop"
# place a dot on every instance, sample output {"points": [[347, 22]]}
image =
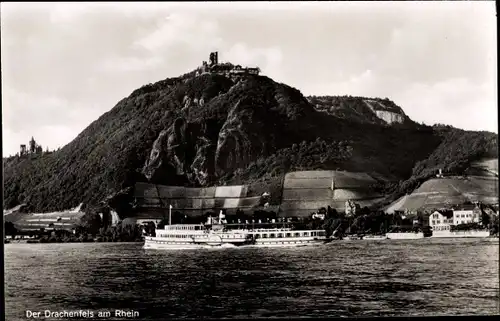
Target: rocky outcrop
{"points": [[203, 163], [181, 150], [388, 114], [364, 110], [201, 148], [240, 139], [156, 156], [169, 153]]}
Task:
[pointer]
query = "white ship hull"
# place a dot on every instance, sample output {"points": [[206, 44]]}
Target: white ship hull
{"points": [[288, 242], [159, 243], [153, 243], [460, 234], [405, 236]]}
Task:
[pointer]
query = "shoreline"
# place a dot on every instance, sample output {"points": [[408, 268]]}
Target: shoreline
{"points": [[489, 238]]}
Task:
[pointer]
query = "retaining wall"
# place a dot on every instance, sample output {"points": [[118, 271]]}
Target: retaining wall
{"points": [[305, 192], [191, 201]]}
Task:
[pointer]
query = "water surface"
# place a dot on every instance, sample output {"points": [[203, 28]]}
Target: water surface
{"points": [[345, 278]]}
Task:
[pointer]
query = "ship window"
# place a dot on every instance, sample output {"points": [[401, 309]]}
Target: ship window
{"points": [[296, 234], [306, 233], [272, 235], [257, 236], [280, 234], [288, 234], [264, 236]]}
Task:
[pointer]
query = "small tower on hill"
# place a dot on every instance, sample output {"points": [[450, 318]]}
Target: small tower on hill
{"points": [[32, 145], [214, 58]]}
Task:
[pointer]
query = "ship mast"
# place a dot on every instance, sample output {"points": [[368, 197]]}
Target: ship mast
{"points": [[161, 203]]}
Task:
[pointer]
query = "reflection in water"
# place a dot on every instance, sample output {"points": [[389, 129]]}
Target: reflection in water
{"points": [[357, 278]]}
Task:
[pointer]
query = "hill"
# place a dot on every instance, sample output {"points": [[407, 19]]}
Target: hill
{"points": [[478, 182], [200, 130], [449, 191]]}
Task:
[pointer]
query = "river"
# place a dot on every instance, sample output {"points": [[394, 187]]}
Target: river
{"points": [[345, 278]]}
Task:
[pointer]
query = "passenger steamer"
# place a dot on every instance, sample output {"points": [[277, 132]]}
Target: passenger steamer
{"points": [[216, 233]]}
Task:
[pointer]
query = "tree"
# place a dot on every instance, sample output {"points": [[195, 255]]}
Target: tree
{"points": [[331, 212], [494, 225], [91, 223], [10, 229], [159, 226], [331, 224], [485, 219]]}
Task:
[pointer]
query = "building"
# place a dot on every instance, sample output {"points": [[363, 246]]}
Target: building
{"points": [[34, 148], [225, 69], [23, 150], [441, 220], [351, 208], [466, 214]]}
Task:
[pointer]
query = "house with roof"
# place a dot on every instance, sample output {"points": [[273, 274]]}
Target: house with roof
{"points": [[465, 214], [441, 220]]}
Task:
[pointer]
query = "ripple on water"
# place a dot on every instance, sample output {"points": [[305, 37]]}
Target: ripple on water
{"points": [[435, 277]]}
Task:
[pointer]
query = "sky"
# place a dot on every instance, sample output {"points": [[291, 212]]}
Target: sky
{"points": [[65, 64]]}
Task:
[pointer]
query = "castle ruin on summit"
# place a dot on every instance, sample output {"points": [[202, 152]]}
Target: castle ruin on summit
{"points": [[225, 69]]}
